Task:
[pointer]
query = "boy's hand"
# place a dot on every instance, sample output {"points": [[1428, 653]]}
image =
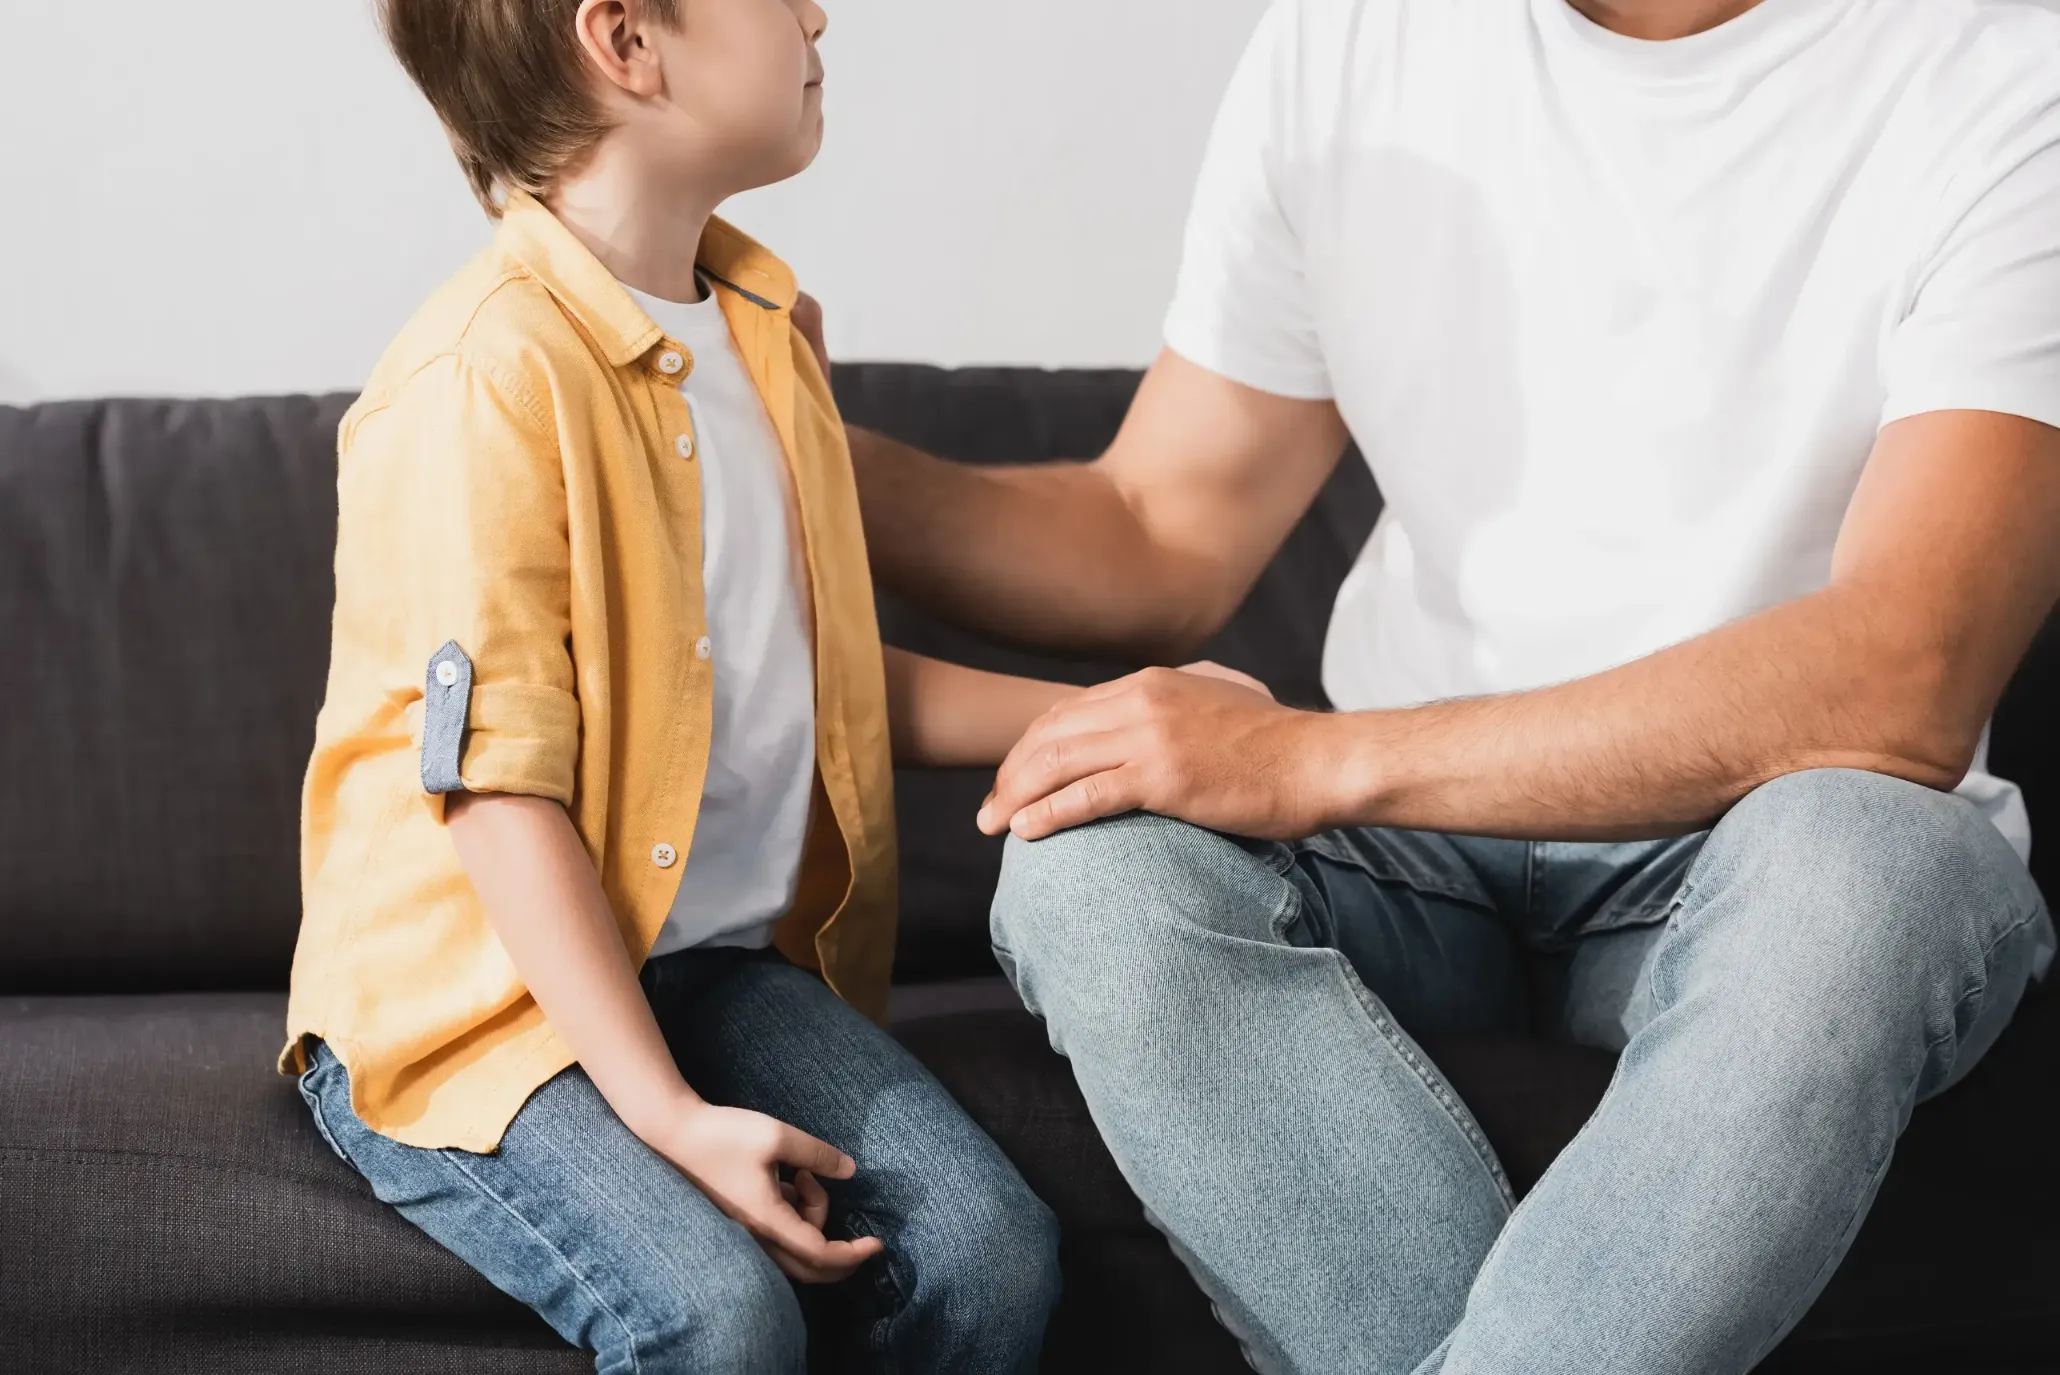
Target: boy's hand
{"points": [[733, 1156], [808, 318], [1209, 668]]}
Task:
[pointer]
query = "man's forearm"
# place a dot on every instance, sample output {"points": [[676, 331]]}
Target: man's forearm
{"points": [[1667, 744], [1049, 556]]}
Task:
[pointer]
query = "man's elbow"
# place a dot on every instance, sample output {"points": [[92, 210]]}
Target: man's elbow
{"points": [[1929, 749]]}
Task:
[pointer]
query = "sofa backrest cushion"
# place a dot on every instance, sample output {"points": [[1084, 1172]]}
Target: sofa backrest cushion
{"points": [[165, 589]]}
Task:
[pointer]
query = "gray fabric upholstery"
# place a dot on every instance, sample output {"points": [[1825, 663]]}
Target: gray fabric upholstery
{"points": [[165, 584]]}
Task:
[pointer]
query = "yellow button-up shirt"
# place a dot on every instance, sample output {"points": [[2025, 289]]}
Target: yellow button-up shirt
{"points": [[519, 478]]}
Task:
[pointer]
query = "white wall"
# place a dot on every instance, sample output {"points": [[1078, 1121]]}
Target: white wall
{"points": [[238, 196]]}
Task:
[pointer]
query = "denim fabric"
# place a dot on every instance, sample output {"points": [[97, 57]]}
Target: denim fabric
{"points": [[1783, 990], [579, 1219]]}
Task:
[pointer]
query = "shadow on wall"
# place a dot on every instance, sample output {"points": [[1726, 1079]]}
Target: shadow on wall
{"points": [[15, 387]]}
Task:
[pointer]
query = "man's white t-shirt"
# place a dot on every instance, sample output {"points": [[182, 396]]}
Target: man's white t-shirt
{"points": [[1616, 322], [753, 821]]}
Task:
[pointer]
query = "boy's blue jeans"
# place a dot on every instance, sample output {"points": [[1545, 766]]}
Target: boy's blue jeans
{"points": [[1784, 990], [580, 1220]]}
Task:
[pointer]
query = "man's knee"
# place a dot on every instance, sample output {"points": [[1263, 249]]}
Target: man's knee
{"points": [[1862, 878], [1115, 888], [1116, 914]]}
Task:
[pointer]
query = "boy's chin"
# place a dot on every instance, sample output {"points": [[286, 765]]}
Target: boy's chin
{"points": [[809, 149]]}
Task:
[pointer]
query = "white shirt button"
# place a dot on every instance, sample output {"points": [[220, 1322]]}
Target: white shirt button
{"points": [[664, 856], [447, 673], [685, 444], [703, 647], [670, 363]]}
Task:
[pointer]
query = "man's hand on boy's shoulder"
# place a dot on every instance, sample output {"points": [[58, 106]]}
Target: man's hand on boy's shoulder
{"points": [[808, 318]]}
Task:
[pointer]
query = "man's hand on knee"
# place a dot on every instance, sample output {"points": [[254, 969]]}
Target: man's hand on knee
{"points": [[1206, 745]]}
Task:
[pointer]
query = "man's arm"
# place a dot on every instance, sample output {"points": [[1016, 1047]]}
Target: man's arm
{"points": [[1141, 554], [1947, 565]]}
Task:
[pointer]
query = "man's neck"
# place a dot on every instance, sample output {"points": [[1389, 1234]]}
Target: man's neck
{"points": [[1661, 20], [646, 234]]}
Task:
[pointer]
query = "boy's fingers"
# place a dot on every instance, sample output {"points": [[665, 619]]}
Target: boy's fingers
{"points": [[811, 1199], [820, 1274], [789, 1231], [789, 1238], [802, 1151]]}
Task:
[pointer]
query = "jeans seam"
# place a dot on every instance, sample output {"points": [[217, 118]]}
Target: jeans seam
{"points": [[1455, 1110], [1980, 988], [1289, 910], [1812, 1288], [635, 1357], [314, 1102]]}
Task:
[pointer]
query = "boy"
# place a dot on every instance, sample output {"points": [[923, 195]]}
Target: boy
{"points": [[607, 696]]}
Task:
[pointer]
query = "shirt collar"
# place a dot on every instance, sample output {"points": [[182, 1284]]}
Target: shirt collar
{"points": [[591, 295]]}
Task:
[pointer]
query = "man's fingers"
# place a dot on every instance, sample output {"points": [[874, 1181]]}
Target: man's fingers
{"points": [[802, 1151], [1039, 767], [1104, 794]]}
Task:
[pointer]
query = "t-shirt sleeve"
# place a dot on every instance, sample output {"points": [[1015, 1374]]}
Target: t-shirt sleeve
{"points": [[1983, 328], [454, 573], [1241, 307]]}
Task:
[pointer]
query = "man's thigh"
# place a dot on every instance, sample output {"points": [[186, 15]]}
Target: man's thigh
{"points": [[1424, 920]]}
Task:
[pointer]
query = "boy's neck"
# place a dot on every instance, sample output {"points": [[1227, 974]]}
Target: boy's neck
{"points": [[646, 233]]}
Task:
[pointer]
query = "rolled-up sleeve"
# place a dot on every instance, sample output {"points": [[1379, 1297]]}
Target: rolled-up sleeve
{"points": [[453, 532]]}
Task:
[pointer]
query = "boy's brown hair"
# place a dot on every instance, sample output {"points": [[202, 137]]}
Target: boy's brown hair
{"points": [[508, 80]]}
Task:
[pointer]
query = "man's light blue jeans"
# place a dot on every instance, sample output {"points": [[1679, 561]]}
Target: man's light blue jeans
{"points": [[1784, 989]]}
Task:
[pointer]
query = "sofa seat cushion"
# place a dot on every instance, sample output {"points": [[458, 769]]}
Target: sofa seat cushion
{"points": [[170, 1204], [166, 1193]]}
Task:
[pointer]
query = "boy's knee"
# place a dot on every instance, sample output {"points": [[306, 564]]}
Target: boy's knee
{"points": [[736, 1313], [994, 1290]]}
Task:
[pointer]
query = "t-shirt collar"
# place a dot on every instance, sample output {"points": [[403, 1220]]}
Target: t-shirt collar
{"points": [[1755, 42]]}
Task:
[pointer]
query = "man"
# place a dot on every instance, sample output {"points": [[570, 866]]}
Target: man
{"points": [[1708, 356]]}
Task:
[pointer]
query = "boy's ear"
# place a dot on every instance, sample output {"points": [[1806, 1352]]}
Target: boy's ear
{"points": [[611, 33]]}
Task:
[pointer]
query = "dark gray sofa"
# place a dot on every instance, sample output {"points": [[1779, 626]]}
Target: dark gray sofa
{"points": [[165, 1205]]}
